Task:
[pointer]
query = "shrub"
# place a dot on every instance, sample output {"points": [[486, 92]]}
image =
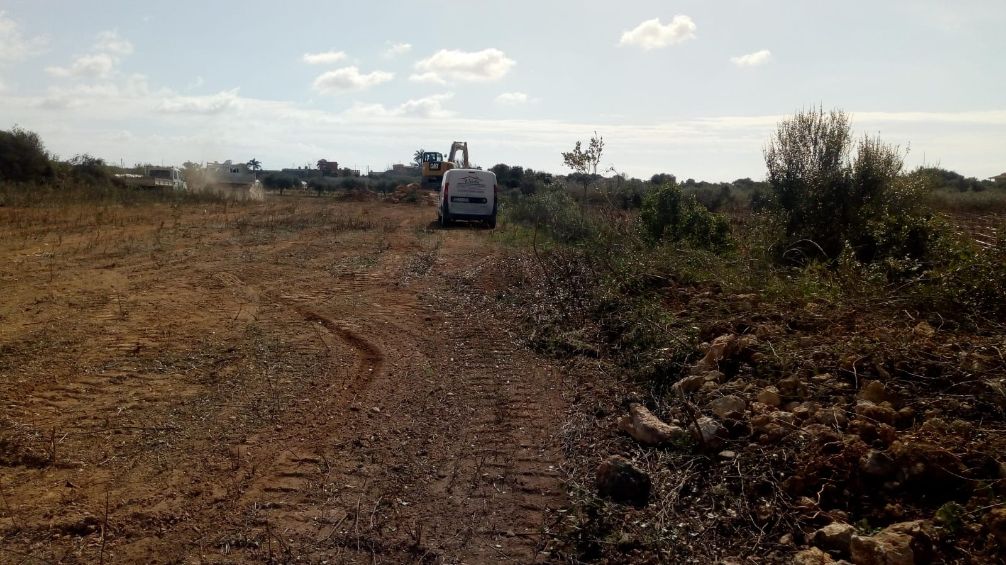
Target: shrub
{"points": [[88, 170], [555, 211], [668, 214], [832, 191], [23, 157]]}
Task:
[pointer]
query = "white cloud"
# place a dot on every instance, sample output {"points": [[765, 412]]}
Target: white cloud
{"points": [[428, 107], [326, 58], [109, 47], [449, 65], [111, 42], [652, 34], [349, 78], [397, 49], [752, 59], [512, 99], [93, 66], [14, 46], [210, 104]]}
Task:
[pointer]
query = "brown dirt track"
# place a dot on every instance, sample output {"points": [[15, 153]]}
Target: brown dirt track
{"points": [[294, 380]]}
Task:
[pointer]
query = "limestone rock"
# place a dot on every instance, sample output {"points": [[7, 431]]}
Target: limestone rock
{"points": [[874, 391], [724, 347], [906, 543], [712, 432], [877, 413], [996, 523], [877, 464], [727, 405], [812, 556], [769, 396], [647, 429], [835, 537]]}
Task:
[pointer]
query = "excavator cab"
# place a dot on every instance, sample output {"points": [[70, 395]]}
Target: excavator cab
{"points": [[433, 168], [434, 165]]}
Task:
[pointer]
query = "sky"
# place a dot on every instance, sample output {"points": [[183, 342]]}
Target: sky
{"points": [[689, 87]]}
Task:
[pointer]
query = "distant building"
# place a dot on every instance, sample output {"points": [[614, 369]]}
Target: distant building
{"points": [[999, 178], [403, 168], [328, 168]]}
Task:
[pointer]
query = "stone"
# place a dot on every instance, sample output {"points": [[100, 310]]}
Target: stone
{"points": [[995, 521], [619, 480], [724, 347], [727, 405], [812, 556], [647, 429], [769, 396], [792, 387], [906, 543], [877, 413], [877, 464], [924, 330], [874, 391], [835, 537], [712, 433], [690, 384], [831, 416], [805, 410]]}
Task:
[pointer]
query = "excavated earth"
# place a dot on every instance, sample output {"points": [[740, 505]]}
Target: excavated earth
{"points": [[296, 380]]}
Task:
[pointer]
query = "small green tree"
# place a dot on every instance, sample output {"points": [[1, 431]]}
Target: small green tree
{"points": [[417, 157], [832, 191], [584, 162]]}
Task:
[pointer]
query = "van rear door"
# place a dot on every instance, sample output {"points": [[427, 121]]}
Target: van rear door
{"points": [[470, 193]]}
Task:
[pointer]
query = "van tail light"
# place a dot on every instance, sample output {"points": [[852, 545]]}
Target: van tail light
{"points": [[446, 186]]}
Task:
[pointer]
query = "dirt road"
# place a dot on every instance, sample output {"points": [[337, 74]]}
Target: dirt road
{"points": [[291, 380]]}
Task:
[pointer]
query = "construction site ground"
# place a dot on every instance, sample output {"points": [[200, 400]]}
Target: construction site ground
{"points": [[292, 380]]}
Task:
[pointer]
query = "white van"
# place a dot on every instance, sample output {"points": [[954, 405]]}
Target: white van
{"points": [[468, 194]]}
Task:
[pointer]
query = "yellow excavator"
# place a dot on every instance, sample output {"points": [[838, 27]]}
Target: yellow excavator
{"points": [[434, 165]]}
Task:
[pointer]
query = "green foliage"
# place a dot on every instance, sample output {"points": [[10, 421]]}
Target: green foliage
{"points": [[351, 183], [527, 181], [554, 211], [280, 182], [88, 170], [833, 192], [23, 157], [668, 214], [970, 281]]}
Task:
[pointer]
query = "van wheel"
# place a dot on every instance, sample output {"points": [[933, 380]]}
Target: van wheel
{"points": [[491, 222], [445, 220]]}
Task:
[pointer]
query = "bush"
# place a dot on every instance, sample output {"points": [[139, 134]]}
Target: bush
{"points": [[668, 214], [833, 192], [555, 211], [23, 157], [88, 170]]}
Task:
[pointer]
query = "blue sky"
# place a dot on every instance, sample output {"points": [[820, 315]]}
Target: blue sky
{"points": [[690, 87]]}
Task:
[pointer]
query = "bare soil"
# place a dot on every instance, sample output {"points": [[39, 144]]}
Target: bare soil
{"points": [[293, 380]]}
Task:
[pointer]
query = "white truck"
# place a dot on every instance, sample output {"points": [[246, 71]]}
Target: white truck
{"points": [[167, 178], [468, 195]]}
